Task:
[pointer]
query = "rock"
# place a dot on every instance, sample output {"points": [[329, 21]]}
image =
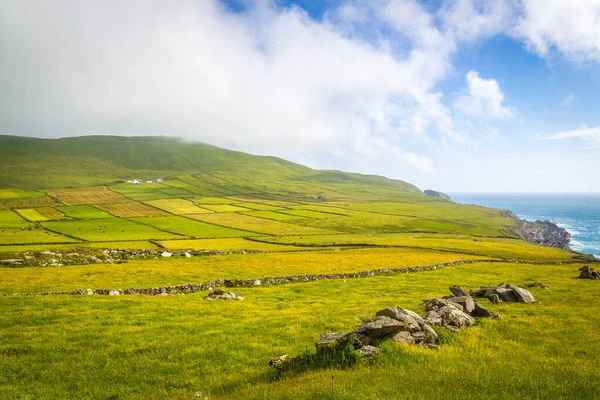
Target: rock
{"points": [[523, 295], [187, 255], [401, 315], [166, 254], [218, 292], [114, 293], [381, 327], [458, 291], [403, 337], [451, 317], [507, 295], [436, 304], [432, 318], [257, 282], [494, 298], [483, 312], [466, 302], [328, 340], [586, 272], [419, 337], [536, 284], [431, 335], [279, 360], [89, 291], [368, 351], [543, 233]]}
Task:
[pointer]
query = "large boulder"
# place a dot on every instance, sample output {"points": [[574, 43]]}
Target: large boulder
{"points": [[331, 340], [380, 327], [507, 295], [482, 312], [451, 317], [368, 351], [403, 337], [431, 336], [523, 295], [435, 304], [409, 319], [432, 318], [458, 291], [466, 302]]}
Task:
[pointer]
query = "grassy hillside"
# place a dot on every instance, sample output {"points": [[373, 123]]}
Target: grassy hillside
{"points": [[30, 163]]}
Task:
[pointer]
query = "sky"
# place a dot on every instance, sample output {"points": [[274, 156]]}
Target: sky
{"points": [[451, 95]]}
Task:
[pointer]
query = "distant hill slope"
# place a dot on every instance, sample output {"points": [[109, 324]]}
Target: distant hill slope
{"points": [[31, 163]]}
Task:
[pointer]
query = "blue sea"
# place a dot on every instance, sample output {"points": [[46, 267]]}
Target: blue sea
{"points": [[577, 213]]}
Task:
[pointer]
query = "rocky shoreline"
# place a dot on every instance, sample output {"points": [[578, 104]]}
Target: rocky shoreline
{"points": [[543, 233]]}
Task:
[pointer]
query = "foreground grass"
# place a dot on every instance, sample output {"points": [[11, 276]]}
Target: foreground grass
{"points": [[151, 273], [140, 347]]}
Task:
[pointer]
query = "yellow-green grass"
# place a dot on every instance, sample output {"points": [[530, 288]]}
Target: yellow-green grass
{"points": [[83, 212], [10, 219], [274, 215], [131, 209], [177, 206], [260, 225], [146, 191], [258, 206], [40, 214], [324, 208], [259, 200], [310, 214], [192, 228], [208, 183], [103, 230], [94, 195], [162, 272], [493, 247], [140, 347], [212, 200], [15, 251], [222, 208], [198, 190], [11, 236], [27, 202], [19, 194], [227, 244]]}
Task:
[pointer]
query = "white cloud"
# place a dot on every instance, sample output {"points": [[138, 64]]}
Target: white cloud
{"points": [[568, 99], [483, 98], [570, 27], [470, 20], [588, 135]]}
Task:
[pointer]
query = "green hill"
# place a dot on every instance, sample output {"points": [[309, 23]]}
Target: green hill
{"points": [[31, 163]]}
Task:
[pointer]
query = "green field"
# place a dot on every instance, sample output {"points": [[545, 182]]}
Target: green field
{"points": [[191, 228], [253, 217], [103, 230], [83, 212]]}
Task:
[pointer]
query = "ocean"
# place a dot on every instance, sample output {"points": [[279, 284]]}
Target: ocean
{"points": [[577, 213]]}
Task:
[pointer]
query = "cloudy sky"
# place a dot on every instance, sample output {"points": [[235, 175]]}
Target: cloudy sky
{"points": [[454, 95]]}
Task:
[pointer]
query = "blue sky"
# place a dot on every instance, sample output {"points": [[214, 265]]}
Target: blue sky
{"points": [[453, 95]]}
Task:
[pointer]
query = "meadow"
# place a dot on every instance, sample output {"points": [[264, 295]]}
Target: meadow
{"points": [[176, 346]]}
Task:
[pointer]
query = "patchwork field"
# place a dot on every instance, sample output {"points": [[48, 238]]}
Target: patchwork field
{"points": [[177, 206], [255, 224], [181, 346], [40, 214], [191, 228], [131, 209], [96, 195], [103, 230], [19, 194]]}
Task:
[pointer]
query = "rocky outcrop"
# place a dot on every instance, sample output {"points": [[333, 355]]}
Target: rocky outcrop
{"points": [[587, 272], [543, 233], [223, 295], [503, 293]]}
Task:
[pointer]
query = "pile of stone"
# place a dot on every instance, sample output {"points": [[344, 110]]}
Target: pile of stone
{"points": [[503, 293], [223, 295], [405, 326], [587, 272]]}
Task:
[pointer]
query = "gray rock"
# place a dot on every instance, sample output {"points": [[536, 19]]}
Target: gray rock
{"points": [[89, 291], [507, 295], [166, 254], [523, 295], [279, 360], [466, 302], [403, 337], [431, 335], [187, 255], [368, 351], [458, 291], [435, 304], [432, 318], [483, 312], [257, 282], [494, 298], [451, 317], [381, 327], [114, 293], [400, 314], [328, 340], [419, 337]]}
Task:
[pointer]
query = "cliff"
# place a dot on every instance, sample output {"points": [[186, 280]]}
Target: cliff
{"points": [[543, 233]]}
